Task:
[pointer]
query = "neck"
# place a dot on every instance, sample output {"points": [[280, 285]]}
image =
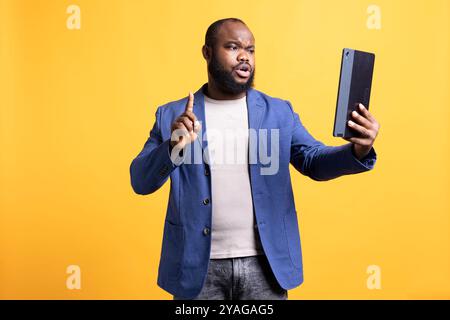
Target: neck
{"points": [[215, 93]]}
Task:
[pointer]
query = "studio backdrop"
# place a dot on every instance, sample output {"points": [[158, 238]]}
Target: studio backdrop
{"points": [[80, 82]]}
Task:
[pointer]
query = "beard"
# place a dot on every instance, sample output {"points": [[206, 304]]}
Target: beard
{"points": [[225, 80]]}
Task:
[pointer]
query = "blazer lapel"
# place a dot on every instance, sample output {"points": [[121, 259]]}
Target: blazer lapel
{"points": [[199, 111], [255, 109]]}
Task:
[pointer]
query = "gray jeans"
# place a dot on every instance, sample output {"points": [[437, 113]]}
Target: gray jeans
{"points": [[243, 278]]}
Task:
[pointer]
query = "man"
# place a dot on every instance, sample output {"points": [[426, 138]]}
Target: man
{"points": [[231, 228]]}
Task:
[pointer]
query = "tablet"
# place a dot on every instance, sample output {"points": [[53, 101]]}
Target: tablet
{"points": [[355, 82]]}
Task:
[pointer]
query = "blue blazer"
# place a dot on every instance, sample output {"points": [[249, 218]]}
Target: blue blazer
{"points": [[186, 240]]}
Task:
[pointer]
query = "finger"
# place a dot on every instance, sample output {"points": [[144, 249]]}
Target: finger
{"points": [[194, 120], [359, 128], [190, 115], [180, 129], [190, 103], [361, 120], [187, 123], [365, 112]]}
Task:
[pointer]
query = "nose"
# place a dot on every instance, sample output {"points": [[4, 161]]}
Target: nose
{"points": [[243, 57]]}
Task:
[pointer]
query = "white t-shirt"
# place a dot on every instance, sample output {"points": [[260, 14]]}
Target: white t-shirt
{"points": [[233, 228]]}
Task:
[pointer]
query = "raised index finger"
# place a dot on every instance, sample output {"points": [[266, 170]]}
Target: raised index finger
{"points": [[190, 103]]}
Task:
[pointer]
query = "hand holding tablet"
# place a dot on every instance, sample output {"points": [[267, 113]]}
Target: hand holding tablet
{"points": [[353, 121]]}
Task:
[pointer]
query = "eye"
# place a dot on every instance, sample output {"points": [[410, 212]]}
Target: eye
{"points": [[232, 47]]}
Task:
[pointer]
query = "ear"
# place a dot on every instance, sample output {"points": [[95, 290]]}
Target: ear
{"points": [[206, 51]]}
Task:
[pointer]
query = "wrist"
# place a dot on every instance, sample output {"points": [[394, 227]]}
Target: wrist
{"points": [[360, 151]]}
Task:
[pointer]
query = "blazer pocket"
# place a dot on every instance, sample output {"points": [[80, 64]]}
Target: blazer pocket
{"points": [[172, 250], [293, 238]]}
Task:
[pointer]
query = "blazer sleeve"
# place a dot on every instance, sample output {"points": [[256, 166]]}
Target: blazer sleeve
{"points": [[153, 165], [320, 162]]}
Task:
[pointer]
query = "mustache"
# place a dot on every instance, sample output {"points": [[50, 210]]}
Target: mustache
{"points": [[243, 65]]}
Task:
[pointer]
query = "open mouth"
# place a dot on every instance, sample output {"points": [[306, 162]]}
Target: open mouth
{"points": [[243, 71]]}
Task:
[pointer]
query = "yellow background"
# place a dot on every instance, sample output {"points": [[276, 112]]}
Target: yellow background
{"points": [[77, 106]]}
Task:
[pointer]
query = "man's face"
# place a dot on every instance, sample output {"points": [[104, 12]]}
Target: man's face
{"points": [[232, 63]]}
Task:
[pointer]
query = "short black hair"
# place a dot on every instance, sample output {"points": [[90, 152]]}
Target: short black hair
{"points": [[211, 33]]}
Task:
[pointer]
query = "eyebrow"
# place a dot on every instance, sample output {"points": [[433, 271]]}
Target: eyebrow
{"points": [[238, 43]]}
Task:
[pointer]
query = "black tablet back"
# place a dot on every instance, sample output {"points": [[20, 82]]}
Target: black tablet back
{"points": [[355, 83]]}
